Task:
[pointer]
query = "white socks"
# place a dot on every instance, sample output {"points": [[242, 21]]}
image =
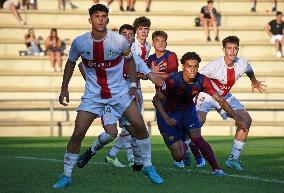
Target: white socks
{"points": [[236, 149], [116, 147], [70, 160], [103, 139], [142, 151]]}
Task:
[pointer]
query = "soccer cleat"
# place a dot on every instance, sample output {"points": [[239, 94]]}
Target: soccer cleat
{"points": [[179, 164], [114, 161], [219, 173], [217, 39], [85, 158], [63, 182], [151, 173], [200, 162], [234, 164]]}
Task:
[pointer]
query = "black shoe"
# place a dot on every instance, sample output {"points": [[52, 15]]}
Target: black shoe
{"points": [[127, 8], [217, 39], [147, 9], [132, 9], [253, 9], [121, 8], [274, 9], [85, 158], [208, 39]]}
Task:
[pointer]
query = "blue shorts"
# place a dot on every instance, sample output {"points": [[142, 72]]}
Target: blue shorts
{"points": [[186, 119]]}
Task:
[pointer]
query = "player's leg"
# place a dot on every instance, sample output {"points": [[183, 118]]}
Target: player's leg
{"points": [[205, 24], [193, 127], [83, 121], [141, 142], [239, 141], [200, 162], [213, 23], [109, 119], [278, 48]]}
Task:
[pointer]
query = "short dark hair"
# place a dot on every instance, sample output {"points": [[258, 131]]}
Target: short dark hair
{"points": [[279, 13], [98, 7], [190, 56], [210, 1], [232, 40], [159, 34], [141, 22], [126, 26]]}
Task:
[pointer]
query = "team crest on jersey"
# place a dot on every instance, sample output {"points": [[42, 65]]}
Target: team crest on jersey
{"points": [[171, 138], [194, 91], [109, 53], [127, 52]]}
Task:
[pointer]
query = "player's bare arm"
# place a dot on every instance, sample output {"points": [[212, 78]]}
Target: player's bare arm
{"points": [[155, 78], [83, 73], [226, 107], [68, 72], [132, 75], [256, 84], [158, 105]]}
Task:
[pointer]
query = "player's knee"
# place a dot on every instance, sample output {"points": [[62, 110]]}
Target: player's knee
{"points": [[178, 155], [78, 135], [112, 132]]}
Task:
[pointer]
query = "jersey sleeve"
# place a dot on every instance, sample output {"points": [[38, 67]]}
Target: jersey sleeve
{"points": [[208, 87], [168, 87], [126, 49], [207, 70], [141, 66], [249, 68], [172, 63], [74, 53]]}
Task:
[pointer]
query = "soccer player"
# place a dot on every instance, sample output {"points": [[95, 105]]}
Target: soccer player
{"points": [[103, 53], [224, 72], [164, 63], [176, 112], [110, 117]]}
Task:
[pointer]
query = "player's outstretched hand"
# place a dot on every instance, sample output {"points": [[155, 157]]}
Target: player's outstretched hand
{"points": [[241, 124], [64, 94], [171, 121], [258, 85]]}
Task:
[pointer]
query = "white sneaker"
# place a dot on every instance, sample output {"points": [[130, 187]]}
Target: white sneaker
{"points": [[279, 54]]}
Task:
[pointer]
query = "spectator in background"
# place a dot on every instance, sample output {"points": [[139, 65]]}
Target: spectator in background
{"points": [[273, 9], [53, 49], [13, 5], [132, 4], [275, 29], [33, 47], [63, 3], [208, 17]]}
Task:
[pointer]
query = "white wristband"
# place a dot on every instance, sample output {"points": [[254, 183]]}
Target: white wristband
{"points": [[133, 85]]}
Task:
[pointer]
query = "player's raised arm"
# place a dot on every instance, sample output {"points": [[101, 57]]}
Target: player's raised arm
{"points": [[255, 84], [209, 89]]}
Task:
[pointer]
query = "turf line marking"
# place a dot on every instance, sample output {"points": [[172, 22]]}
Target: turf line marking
{"points": [[163, 168]]}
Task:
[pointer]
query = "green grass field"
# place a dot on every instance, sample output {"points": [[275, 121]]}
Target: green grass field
{"points": [[31, 165]]}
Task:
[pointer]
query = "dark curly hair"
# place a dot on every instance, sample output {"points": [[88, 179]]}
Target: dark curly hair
{"points": [[190, 56], [232, 40], [141, 22], [98, 7]]}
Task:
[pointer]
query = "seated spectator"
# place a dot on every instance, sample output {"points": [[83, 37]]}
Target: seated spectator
{"points": [[53, 50], [275, 29], [273, 9], [13, 5], [30, 4], [208, 18], [33, 47]]}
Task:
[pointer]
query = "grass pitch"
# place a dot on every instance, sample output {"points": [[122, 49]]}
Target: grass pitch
{"points": [[31, 165]]}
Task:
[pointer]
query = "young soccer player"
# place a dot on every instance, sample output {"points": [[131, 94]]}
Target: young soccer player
{"points": [[103, 53], [224, 72], [176, 113]]}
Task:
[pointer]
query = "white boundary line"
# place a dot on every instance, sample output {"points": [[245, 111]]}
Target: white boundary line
{"points": [[163, 168]]}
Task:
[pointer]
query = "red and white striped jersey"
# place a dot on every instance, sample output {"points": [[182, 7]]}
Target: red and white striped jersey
{"points": [[141, 50], [223, 77], [103, 63]]}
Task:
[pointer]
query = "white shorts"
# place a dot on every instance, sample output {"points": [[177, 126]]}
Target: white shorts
{"points": [[205, 103], [118, 105], [110, 115], [275, 37], [7, 3]]}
